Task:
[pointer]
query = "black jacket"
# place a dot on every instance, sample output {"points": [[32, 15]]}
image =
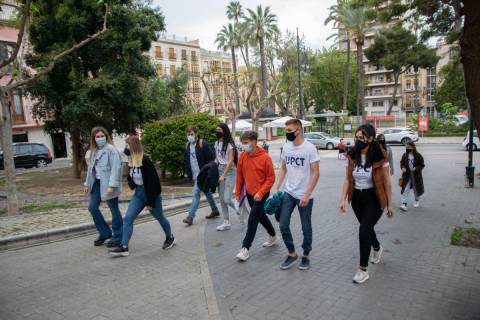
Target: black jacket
{"points": [[419, 164], [204, 155], [151, 181], [208, 178]]}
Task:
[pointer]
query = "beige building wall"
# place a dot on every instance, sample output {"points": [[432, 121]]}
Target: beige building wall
{"points": [[170, 54]]}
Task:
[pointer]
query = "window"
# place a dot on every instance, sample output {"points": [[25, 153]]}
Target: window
{"points": [[173, 70], [184, 54], [23, 149], [377, 103], [171, 54], [378, 78], [408, 85], [194, 56], [38, 148], [20, 137], [17, 101], [159, 70], [377, 92], [395, 102], [158, 52]]}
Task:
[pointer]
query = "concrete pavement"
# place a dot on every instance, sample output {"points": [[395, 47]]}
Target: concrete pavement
{"points": [[421, 276]]}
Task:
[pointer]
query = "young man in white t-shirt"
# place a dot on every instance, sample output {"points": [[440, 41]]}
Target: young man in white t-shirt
{"points": [[300, 170]]}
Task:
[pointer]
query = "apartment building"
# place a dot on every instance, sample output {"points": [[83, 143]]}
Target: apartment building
{"points": [[170, 54], [380, 85], [217, 76], [25, 127]]}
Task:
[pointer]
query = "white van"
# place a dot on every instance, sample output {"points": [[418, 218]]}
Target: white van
{"points": [[476, 141]]}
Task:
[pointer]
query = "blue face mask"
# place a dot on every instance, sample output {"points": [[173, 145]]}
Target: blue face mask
{"points": [[191, 139], [101, 141]]}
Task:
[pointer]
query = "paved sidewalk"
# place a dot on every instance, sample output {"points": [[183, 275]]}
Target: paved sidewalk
{"points": [[421, 275], [74, 280]]}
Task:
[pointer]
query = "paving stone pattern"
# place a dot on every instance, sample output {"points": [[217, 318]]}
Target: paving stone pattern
{"points": [[420, 277]]}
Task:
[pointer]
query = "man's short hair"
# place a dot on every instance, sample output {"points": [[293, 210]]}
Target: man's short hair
{"points": [[294, 121], [249, 135], [192, 128]]}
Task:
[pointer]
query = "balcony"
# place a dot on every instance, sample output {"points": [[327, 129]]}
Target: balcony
{"points": [[196, 90], [379, 96], [172, 56], [380, 83], [227, 70], [195, 74], [184, 57], [194, 58]]}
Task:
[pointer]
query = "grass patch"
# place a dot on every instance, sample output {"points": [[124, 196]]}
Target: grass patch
{"points": [[44, 207], [466, 237]]}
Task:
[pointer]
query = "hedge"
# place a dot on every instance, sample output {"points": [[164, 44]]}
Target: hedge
{"points": [[165, 140]]}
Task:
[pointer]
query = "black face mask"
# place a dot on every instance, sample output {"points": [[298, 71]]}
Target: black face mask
{"points": [[290, 136], [382, 142], [126, 151], [409, 151], [360, 144], [219, 134]]}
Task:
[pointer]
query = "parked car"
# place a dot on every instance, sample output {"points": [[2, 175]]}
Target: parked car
{"points": [[323, 140], [28, 155], [460, 119], [399, 135], [476, 141]]}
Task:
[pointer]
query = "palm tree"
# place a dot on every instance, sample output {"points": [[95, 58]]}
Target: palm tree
{"points": [[337, 16], [227, 39], [357, 22], [235, 13], [261, 25]]}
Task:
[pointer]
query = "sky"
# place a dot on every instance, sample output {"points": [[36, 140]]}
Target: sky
{"points": [[202, 20]]}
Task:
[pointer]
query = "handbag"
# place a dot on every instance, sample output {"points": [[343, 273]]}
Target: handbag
{"points": [[400, 182]]}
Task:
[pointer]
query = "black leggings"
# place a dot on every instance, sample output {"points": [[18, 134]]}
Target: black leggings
{"points": [[257, 214], [366, 206]]}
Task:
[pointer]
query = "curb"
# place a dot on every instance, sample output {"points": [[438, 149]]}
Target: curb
{"points": [[68, 232]]}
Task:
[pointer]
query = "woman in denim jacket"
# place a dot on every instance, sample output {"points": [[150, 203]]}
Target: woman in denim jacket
{"points": [[104, 183]]}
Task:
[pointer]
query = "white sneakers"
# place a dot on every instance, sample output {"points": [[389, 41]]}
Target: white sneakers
{"points": [[271, 241], [403, 207], [377, 255], [416, 204], [243, 255], [361, 276], [224, 226]]}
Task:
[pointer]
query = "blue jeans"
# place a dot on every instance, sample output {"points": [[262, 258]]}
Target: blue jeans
{"points": [[288, 205], [135, 206], [102, 226], [196, 193], [225, 190]]}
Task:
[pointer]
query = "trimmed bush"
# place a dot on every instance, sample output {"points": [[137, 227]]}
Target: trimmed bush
{"points": [[165, 140]]}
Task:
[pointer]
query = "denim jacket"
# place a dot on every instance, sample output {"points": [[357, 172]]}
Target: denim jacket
{"points": [[110, 173]]}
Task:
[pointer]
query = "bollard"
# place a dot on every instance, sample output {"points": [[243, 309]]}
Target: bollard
{"points": [[469, 177]]}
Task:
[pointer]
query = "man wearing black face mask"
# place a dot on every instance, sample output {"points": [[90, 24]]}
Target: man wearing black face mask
{"points": [[300, 171]]}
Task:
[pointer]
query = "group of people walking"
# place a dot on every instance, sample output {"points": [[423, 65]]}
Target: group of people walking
{"points": [[249, 177]]}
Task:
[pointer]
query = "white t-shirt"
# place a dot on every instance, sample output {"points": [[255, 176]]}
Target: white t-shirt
{"points": [[363, 176], [297, 160], [136, 174], [194, 161], [222, 158], [411, 160], [99, 153]]}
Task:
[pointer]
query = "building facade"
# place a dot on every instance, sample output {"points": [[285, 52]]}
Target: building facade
{"points": [[25, 127]]}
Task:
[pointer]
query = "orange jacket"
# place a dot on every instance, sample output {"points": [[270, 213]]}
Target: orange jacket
{"points": [[256, 171]]}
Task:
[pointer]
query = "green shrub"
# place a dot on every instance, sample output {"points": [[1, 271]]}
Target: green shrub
{"points": [[456, 236], [165, 140]]}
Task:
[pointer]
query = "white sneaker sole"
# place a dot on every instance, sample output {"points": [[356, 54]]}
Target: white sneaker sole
{"points": [[270, 244], [119, 254], [223, 228], [403, 209], [377, 261], [242, 259], [171, 245], [362, 281]]}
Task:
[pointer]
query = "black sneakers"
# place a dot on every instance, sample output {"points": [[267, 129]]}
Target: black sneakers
{"points": [[100, 241], [169, 243], [119, 251], [111, 244], [213, 215]]}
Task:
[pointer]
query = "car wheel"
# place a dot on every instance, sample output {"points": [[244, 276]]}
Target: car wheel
{"points": [[41, 163], [329, 146], [405, 140], [474, 147]]}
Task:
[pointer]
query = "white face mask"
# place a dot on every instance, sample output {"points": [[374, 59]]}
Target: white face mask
{"points": [[247, 147], [191, 139]]}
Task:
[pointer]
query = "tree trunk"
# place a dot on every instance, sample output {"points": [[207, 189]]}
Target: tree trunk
{"points": [[77, 160], [263, 66], [470, 57], [8, 162], [394, 95], [235, 82], [360, 85], [346, 75]]}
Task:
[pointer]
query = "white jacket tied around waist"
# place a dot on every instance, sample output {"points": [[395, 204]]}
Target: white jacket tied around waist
{"points": [[110, 172]]}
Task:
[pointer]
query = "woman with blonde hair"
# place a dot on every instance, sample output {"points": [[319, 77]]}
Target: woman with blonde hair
{"points": [[143, 178], [104, 183]]}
